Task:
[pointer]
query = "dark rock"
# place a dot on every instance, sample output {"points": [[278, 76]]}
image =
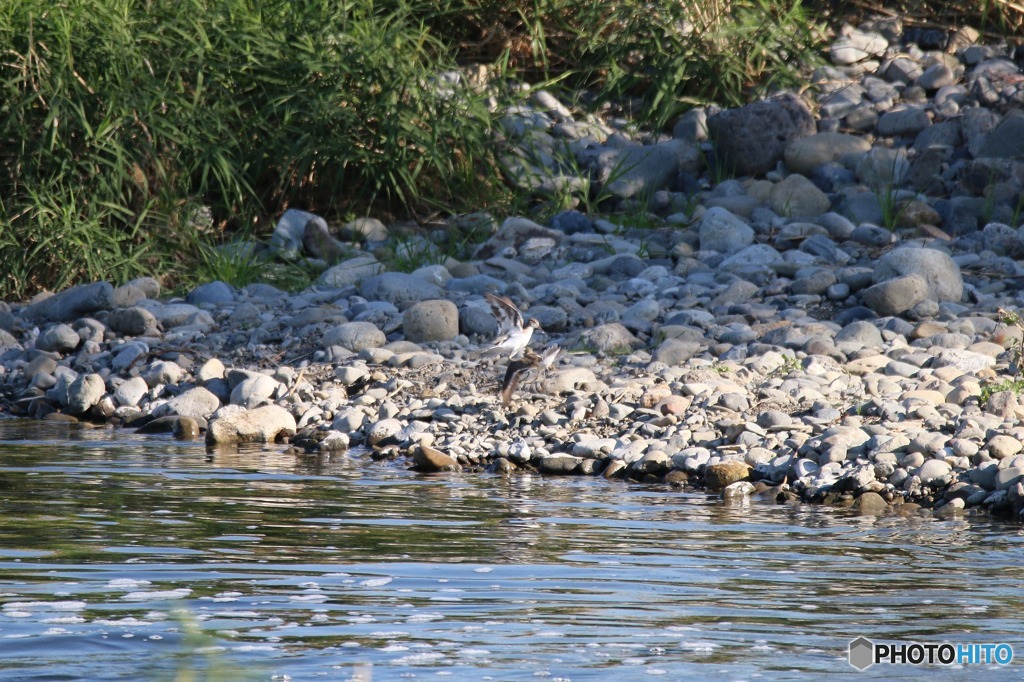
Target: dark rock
{"points": [[751, 140], [71, 303]]}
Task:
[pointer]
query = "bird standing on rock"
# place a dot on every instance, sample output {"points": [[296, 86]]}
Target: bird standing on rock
{"points": [[513, 333]]}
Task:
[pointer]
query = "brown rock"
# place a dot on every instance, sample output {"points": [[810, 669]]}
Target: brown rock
{"points": [[718, 476], [426, 458], [870, 504]]}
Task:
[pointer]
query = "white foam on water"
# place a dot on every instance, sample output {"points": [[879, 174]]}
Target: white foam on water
{"points": [[150, 595], [424, 617], [127, 583], [422, 658], [699, 646], [309, 598], [67, 605], [126, 622], [375, 582], [63, 620]]}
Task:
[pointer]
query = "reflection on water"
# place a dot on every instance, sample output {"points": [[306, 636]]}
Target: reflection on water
{"points": [[129, 557]]}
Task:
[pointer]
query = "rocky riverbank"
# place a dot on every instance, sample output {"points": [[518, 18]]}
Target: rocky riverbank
{"points": [[797, 299]]}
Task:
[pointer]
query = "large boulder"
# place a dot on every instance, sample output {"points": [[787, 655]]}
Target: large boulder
{"points": [[752, 139]]}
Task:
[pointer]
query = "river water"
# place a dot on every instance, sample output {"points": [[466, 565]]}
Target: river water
{"points": [[127, 557]]}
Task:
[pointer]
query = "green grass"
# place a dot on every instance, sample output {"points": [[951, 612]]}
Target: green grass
{"points": [[1016, 386], [123, 114]]}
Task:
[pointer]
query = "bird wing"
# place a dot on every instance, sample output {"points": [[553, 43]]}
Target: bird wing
{"points": [[549, 357], [515, 372], [505, 312]]}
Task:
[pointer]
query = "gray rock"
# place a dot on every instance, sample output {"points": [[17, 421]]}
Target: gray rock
{"points": [[896, 295], [752, 139], [559, 464], [175, 314], [134, 321], [71, 304], [211, 294], [354, 336], [162, 372], [349, 420], [936, 76], [938, 270], [933, 470], [944, 135], [364, 229], [60, 338], [856, 45], [796, 197], [195, 403], [131, 391], [692, 126], [861, 334], [128, 355], [1005, 478], [883, 168], [567, 380], [84, 392], [513, 233], [148, 286], [904, 122], [843, 102], [757, 257], [266, 424], [210, 370], [399, 289], [1006, 141], [640, 170], [865, 208], [902, 70], [435, 320], [254, 391], [804, 154], [552, 319], [609, 338], [290, 228], [477, 320], [350, 272], [675, 352], [384, 432], [1002, 240], [723, 232]]}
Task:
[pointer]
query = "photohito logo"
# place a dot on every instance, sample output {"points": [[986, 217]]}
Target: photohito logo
{"points": [[864, 653]]}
